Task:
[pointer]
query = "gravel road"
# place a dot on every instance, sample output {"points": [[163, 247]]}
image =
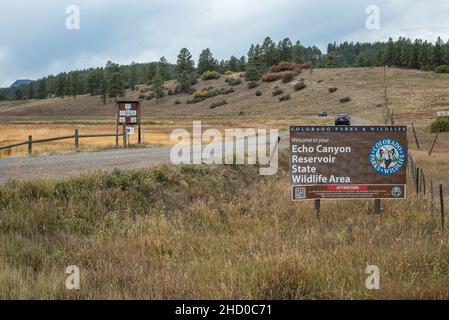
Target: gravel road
{"points": [[72, 164]]}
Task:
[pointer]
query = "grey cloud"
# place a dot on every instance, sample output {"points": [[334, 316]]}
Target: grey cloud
{"points": [[34, 41]]}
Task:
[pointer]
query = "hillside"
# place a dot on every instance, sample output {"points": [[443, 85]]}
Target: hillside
{"points": [[19, 83], [422, 93]]}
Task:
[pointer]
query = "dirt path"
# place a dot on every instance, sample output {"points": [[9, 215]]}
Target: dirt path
{"points": [[65, 165]]}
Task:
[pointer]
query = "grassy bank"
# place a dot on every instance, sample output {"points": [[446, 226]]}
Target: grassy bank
{"points": [[209, 232]]}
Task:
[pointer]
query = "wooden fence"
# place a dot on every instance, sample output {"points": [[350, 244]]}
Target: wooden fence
{"points": [[75, 136], [424, 189]]}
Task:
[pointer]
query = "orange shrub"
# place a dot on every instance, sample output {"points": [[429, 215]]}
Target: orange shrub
{"points": [[274, 76], [284, 66]]}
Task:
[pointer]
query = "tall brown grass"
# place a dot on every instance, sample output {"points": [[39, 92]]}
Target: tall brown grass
{"points": [[209, 232]]}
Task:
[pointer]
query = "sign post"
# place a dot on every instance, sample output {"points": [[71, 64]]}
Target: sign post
{"points": [[348, 163], [128, 114]]}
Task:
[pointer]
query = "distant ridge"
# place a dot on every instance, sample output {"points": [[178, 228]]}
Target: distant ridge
{"points": [[21, 82]]}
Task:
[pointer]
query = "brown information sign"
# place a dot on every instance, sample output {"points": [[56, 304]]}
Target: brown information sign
{"points": [[348, 162]]}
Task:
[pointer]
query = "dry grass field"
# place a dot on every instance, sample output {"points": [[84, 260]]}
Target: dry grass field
{"points": [[178, 232], [208, 233]]}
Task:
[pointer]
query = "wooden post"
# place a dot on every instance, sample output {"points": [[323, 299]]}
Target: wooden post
{"points": [[377, 207], [442, 208], [124, 136], [30, 145], [385, 86], [116, 124], [423, 180], [417, 180], [317, 208], [432, 207], [416, 137], [433, 145], [76, 139]]}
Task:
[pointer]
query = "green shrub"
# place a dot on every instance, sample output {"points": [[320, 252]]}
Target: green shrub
{"points": [[252, 84], [195, 100], [218, 104], [285, 97], [233, 81], [345, 99], [440, 125], [277, 92], [300, 86], [333, 89], [287, 77], [442, 69], [210, 75], [258, 93], [228, 91]]}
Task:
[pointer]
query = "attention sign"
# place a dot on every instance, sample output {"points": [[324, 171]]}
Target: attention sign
{"points": [[348, 162]]}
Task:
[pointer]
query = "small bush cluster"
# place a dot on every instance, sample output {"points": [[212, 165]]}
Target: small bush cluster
{"points": [[345, 99], [285, 97], [210, 75], [218, 104], [201, 94], [228, 91], [288, 77], [252, 84], [440, 125], [277, 92], [285, 66], [442, 69], [233, 81], [300, 86], [333, 89], [258, 93], [274, 76]]}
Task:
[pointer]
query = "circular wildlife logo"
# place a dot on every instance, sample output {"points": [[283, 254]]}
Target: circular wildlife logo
{"points": [[387, 156]]}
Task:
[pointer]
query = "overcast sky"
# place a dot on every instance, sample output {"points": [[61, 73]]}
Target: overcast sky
{"points": [[35, 42]]}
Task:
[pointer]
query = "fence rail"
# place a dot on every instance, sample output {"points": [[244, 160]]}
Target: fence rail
{"points": [[75, 136]]}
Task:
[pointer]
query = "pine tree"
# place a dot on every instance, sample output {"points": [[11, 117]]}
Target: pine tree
{"points": [[251, 73], [242, 64], [75, 84], [270, 55], [298, 53], [19, 95], [158, 85], [31, 91], [103, 87], [42, 90], [285, 49], [116, 86], [164, 69], [233, 64], [438, 53], [206, 62], [185, 70], [133, 76], [60, 85]]}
